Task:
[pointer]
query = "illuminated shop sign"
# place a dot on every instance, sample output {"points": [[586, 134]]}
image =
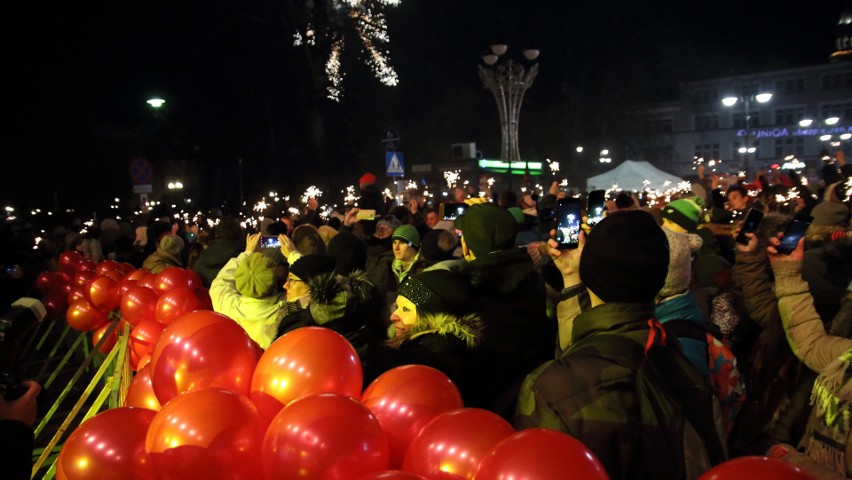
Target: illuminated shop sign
{"points": [[518, 168], [799, 132]]}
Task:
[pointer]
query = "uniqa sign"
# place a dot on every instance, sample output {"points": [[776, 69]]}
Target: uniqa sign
{"points": [[799, 132]]}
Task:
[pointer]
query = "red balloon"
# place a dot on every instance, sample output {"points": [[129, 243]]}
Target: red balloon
{"points": [[87, 266], [202, 349], [405, 399], [305, 361], [56, 305], [144, 336], [455, 441], [69, 262], [83, 277], [123, 286], [204, 301], [83, 317], [138, 301], [109, 445], [149, 281], [141, 392], [51, 282], [108, 266], [77, 293], [210, 433], [136, 274], [173, 277], [324, 437], [541, 454], [102, 293], [143, 361], [392, 475], [111, 340], [174, 303], [755, 468]]}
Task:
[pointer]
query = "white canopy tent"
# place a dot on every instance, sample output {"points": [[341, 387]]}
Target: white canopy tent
{"points": [[631, 175]]}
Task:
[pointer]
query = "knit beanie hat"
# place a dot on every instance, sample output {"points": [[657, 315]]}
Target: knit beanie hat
{"points": [[307, 239], [408, 234], [349, 253], [389, 221], [327, 233], [438, 245], [367, 179], [486, 228], [684, 212], [830, 213], [681, 248], [255, 276], [437, 291], [171, 246], [625, 258], [517, 214], [309, 266]]}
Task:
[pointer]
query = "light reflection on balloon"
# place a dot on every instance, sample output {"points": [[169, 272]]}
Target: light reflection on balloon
{"points": [[141, 392]]}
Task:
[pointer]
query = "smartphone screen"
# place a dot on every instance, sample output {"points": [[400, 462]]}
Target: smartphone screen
{"points": [[750, 224], [568, 211], [452, 211], [365, 214], [793, 233], [269, 241], [596, 205]]}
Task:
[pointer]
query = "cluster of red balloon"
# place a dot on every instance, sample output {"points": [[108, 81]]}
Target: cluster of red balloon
{"points": [[85, 294], [220, 407]]}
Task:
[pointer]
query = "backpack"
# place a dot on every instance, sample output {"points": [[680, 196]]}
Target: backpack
{"points": [[670, 395], [725, 378]]}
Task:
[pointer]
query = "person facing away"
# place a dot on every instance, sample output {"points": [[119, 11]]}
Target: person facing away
{"points": [[227, 243], [593, 390]]}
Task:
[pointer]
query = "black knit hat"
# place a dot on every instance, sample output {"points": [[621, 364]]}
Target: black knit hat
{"points": [[486, 228], [625, 258], [437, 291], [312, 265]]}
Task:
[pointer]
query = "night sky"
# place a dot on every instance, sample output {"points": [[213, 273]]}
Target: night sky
{"points": [[237, 88]]}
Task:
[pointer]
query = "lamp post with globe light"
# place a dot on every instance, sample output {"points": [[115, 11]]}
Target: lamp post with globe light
{"points": [[508, 80], [747, 94]]}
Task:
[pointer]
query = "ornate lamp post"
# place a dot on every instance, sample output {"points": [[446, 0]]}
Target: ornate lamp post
{"points": [[748, 93], [508, 80]]}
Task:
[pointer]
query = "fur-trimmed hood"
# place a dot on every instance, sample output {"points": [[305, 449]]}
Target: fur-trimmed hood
{"points": [[467, 328], [333, 296]]}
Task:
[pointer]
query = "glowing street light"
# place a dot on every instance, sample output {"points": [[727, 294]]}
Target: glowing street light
{"points": [[155, 102], [177, 185]]}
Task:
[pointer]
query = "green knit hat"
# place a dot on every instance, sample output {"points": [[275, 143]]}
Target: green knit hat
{"points": [[517, 214], [408, 234], [685, 212], [255, 276], [486, 228]]}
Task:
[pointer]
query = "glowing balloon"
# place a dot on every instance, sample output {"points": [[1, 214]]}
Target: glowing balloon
{"points": [[108, 266], [109, 445], [69, 262], [392, 475], [138, 304], [755, 468], [142, 362], [406, 398], [210, 434], [141, 392], [305, 361], [454, 443], [202, 349], [83, 317], [144, 336], [173, 277], [111, 339], [174, 303], [324, 437], [102, 293], [541, 454]]}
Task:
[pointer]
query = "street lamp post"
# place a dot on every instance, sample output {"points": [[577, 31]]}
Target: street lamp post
{"points": [[747, 95], [508, 80]]}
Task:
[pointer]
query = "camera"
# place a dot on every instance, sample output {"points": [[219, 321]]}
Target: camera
{"points": [[11, 387]]}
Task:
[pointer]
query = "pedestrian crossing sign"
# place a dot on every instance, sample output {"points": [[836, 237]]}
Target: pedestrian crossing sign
{"points": [[394, 163]]}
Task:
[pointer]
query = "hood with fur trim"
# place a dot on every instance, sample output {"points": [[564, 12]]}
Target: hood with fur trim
{"points": [[334, 296], [467, 328]]}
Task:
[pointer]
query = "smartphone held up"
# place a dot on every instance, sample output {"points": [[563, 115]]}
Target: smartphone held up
{"points": [[269, 241], [568, 217], [793, 233]]}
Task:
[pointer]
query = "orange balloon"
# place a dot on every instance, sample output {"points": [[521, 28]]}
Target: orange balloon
{"points": [[102, 293], [202, 349], [542, 454], [136, 274], [755, 468], [83, 277], [392, 475], [455, 442], [174, 277], [305, 361], [111, 340], [174, 303], [108, 266], [83, 317], [405, 399], [143, 361], [144, 336], [138, 304], [109, 445], [324, 437], [149, 280], [210, 434], [141, 392]]}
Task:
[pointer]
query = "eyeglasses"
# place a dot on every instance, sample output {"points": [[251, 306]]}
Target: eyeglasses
{"points": [[292, 280]]}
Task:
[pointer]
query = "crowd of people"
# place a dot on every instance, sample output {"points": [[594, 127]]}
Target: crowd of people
{"points": [[660, 342]]}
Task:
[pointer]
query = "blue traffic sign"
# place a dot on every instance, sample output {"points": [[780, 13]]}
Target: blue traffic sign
{"points": [[394, 164], [141, 171]]}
